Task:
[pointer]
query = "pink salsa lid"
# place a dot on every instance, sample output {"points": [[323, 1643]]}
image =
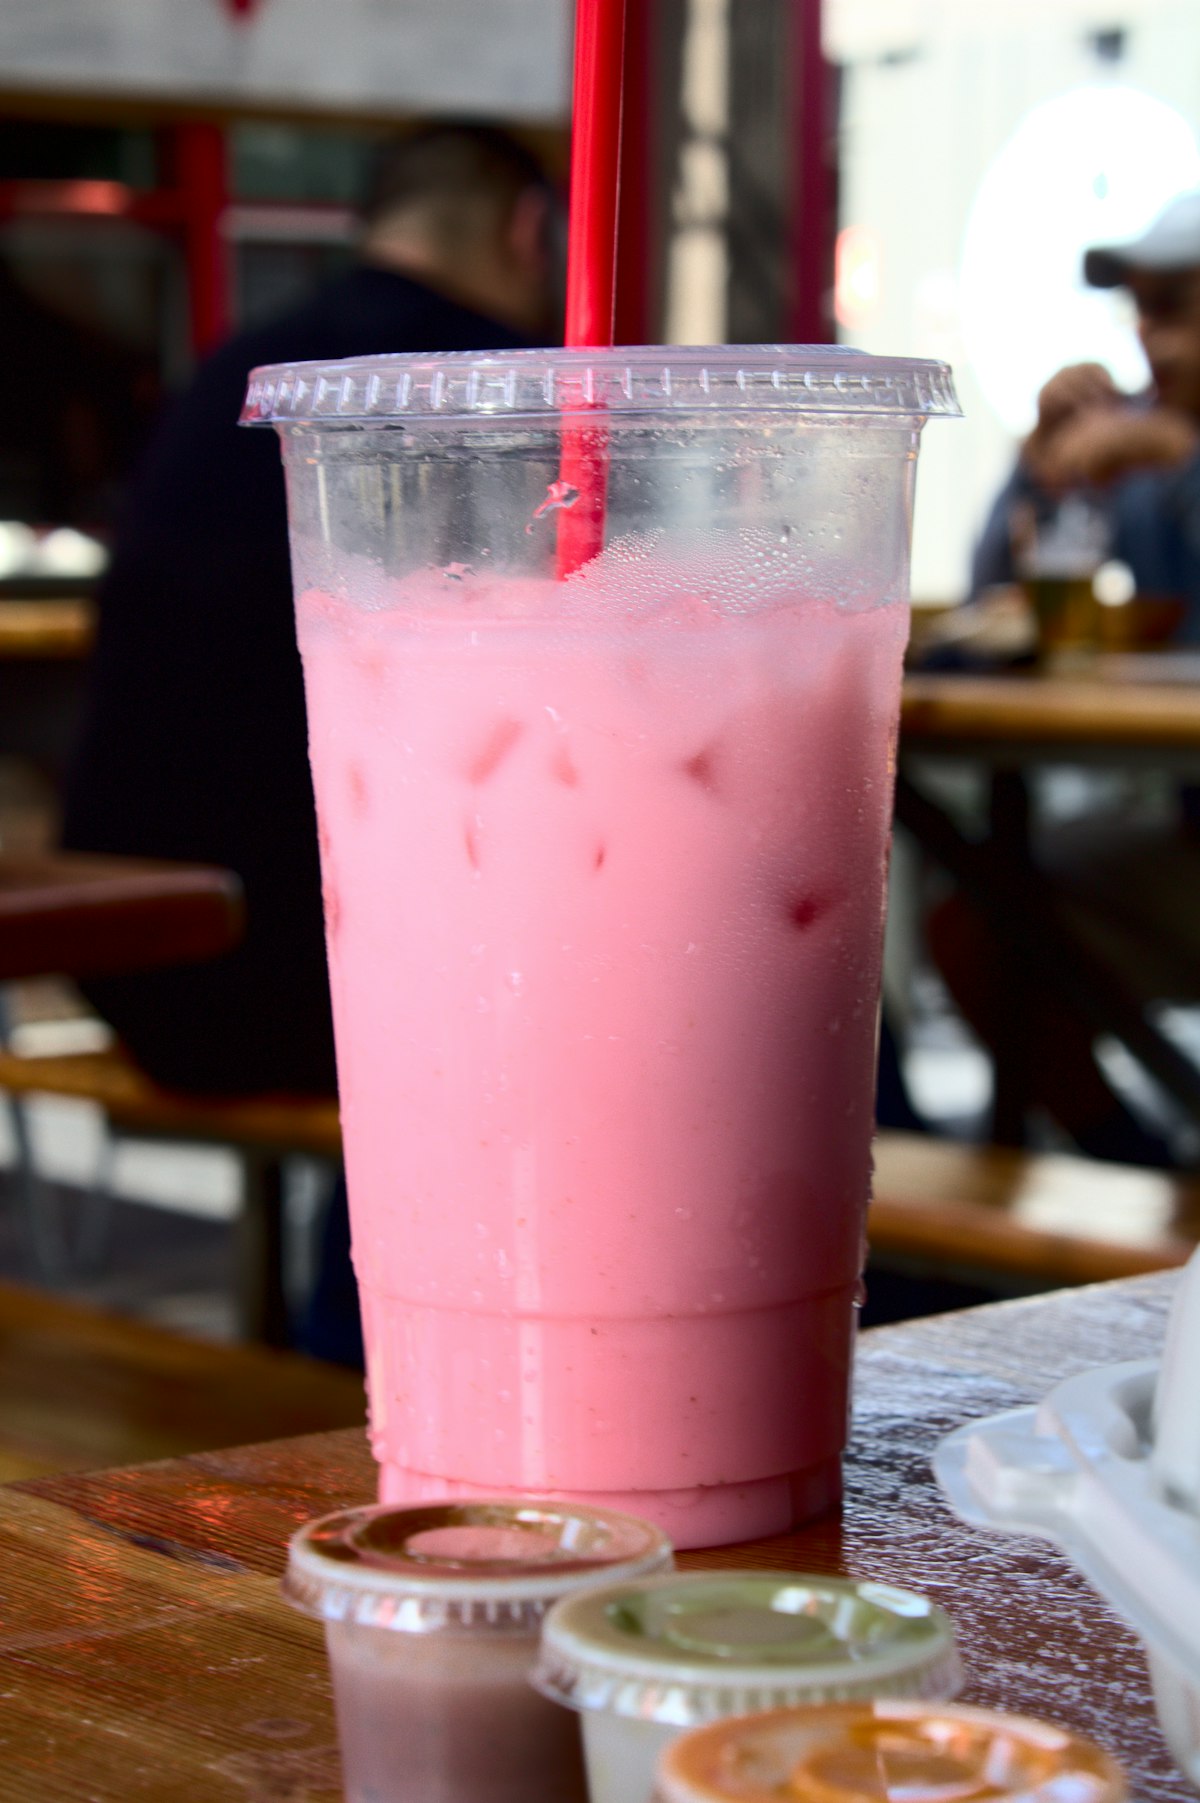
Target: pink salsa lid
{"points": [[482, 1565]]}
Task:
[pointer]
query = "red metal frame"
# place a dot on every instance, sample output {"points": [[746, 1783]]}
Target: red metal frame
{"points": [[814, 182], [161, 208], [633, 323], [193, 209], [201, 174]]}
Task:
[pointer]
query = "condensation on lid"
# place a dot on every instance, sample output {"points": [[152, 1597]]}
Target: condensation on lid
{"points": [[440, 1563], [886, 1752], [724, 380], [686, 1648]]}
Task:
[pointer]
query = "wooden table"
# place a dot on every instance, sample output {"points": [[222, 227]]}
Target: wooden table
{"points": [[81, 915], [1010, 724], [146, 1653]]}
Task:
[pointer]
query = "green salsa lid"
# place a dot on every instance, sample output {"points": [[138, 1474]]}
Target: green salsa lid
{"points": [[689, 1647]]}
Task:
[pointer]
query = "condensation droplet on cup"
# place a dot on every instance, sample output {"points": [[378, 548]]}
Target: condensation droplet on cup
{"points": [[683, 1214]]}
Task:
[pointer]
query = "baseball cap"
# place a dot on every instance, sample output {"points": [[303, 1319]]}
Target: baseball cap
{"points": [[1172, 242]]}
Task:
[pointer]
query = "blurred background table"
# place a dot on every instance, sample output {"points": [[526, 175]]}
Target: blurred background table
{"points": [[80, 1388], [45, 642], [1124, 713], [1020, 719], [147, 1652]]}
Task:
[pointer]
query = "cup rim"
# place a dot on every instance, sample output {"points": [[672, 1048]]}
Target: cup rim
{"points": [[635, 383]]}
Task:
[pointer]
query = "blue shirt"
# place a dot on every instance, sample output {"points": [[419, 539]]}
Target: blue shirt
{"points": [[1155, 521]]}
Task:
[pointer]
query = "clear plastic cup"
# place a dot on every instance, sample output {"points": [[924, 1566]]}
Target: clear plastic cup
{"points": [[642, 1660], [886, 1752], [604, 859], [431, 1624]]}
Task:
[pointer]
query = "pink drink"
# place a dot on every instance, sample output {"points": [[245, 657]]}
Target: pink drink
{"points": [[604, 897], [604, 865]]}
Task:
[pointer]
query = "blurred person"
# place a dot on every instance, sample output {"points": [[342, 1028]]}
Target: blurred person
{"points": [[194, 745], [1138, 456], [1128, 888], [75, 408]]}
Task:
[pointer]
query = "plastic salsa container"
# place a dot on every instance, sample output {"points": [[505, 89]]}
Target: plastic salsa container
{"points": [[642, 1660], [431, 1622], [886, 1752]]}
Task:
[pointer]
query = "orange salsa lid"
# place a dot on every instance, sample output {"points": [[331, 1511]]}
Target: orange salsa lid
{"points": [[886, 1752]]}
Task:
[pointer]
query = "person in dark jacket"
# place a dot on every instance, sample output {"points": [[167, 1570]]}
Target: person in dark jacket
{"points": [[194, 744]]}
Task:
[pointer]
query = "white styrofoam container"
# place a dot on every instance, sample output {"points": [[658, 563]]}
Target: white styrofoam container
{"points": [[1108, 1468]]}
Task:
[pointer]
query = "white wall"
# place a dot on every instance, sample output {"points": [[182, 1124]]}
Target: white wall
{"points": [[506, 56], [933, 91]]}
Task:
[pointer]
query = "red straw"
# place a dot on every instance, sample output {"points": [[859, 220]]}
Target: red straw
{"points": [[595, 171], [591, 255]]}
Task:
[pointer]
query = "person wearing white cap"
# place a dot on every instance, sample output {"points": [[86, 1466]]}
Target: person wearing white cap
{"points": [[1139, 455], [1126, 883]]}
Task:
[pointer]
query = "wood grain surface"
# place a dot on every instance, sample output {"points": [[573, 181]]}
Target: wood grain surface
{"points": [[145, 1652]]}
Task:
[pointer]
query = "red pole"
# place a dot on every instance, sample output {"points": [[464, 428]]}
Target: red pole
{"points": [[639, 178], [201, 175], [812, 235]]}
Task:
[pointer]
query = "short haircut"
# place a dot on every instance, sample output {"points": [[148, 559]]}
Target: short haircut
{"points": [[440, 166]]}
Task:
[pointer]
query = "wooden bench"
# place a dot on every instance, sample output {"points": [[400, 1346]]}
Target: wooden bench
{"points": [[86, 915], [1046, 1220], [263, 1130], [80, 1390]]}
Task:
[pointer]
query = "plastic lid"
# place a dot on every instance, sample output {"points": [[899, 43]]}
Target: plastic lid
{"points": [[461, 386], [686, 1648], [484, 1565], [886, 1752]]}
